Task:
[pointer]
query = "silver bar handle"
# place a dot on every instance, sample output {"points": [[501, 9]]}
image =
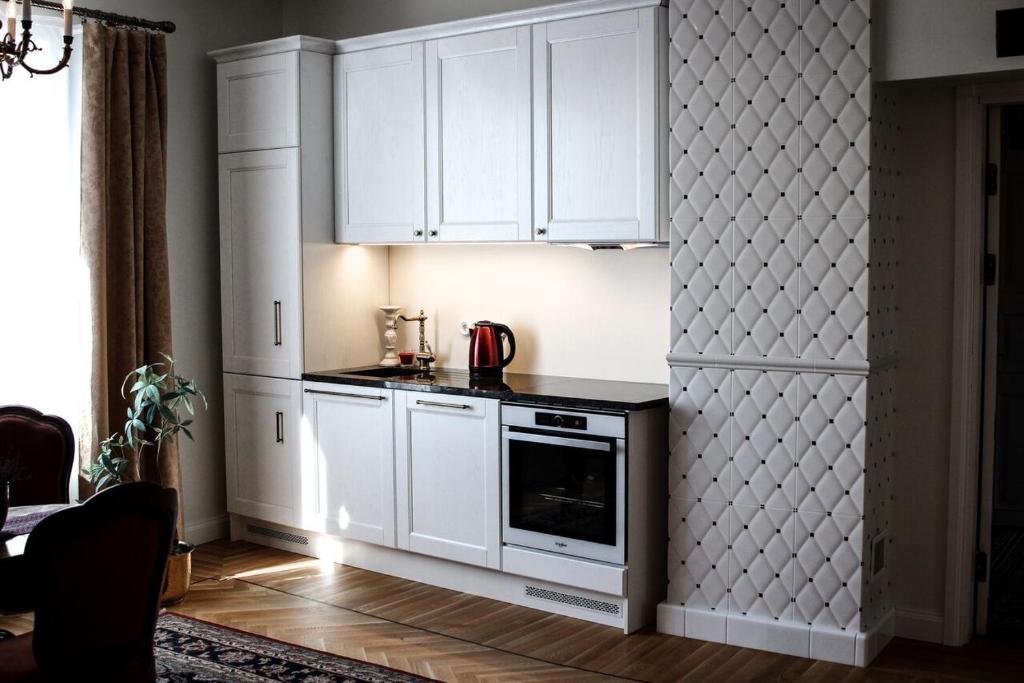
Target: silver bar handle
{"points": [[436, 404], [279, 426], [277, 323], [345, 394]]}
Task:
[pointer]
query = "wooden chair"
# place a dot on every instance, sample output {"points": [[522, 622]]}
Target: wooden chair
{"points": [[95, 573], [45, 448]]}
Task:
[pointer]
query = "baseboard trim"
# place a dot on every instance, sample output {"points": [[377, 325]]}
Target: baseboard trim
{"points": [[814, 642], [206, 530], [919, 624]]}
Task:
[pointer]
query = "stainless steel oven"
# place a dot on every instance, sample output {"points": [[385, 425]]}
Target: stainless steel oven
{"points": [[564, 481]]}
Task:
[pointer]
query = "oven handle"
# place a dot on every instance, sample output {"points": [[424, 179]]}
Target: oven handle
{"points": [[592, 445]]}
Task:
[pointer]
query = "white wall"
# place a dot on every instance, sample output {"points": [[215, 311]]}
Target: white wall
{"points": [[926, 38], [192, 220], [578, 313], [924, 323]]}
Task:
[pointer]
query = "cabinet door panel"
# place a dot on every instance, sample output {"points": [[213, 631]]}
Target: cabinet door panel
{"points": [[595, 109], [261, 263], [380, 145], [447, 476], [258, 103], [262, 424], [478, 137], [352, 461]]}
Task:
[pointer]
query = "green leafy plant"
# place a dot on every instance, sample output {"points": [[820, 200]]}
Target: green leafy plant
{"points": [[162, 405]]}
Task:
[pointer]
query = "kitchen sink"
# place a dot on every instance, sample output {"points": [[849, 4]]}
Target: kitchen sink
{"points": [[385, 372]]}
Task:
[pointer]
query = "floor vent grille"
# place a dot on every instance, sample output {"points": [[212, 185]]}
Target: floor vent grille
{"points": [[573, 600], [279, 535]]}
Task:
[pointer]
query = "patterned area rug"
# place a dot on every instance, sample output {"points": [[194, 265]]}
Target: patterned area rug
{"points": [[189, 650]]}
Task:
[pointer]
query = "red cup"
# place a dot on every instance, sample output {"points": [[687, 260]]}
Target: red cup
{"points": [[406, 357]]}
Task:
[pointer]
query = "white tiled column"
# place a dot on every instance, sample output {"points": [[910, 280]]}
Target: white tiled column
{"points": [[778, 480]]}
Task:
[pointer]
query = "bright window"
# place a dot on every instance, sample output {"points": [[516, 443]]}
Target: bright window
{"points": [[42, 278]]}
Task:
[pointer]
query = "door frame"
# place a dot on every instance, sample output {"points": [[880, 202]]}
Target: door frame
{"points": [[965, 456]]}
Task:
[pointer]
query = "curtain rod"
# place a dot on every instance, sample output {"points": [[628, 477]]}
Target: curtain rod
{"points": [[109, 17]]}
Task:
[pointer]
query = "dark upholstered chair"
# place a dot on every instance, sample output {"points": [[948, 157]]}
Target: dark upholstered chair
{"points": [[45, 448], [95, 574]]}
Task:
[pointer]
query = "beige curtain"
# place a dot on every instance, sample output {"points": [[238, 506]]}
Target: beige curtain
{"points": [[124, 227]]}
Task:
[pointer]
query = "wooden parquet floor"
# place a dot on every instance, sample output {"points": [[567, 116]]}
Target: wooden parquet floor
{"points": [[452, 636]]}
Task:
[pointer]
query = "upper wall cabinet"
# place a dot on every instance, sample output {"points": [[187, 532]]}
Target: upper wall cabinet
{"points": [[545, 124], [599, 98], [258, 103], [478, 137], [379, 142]]}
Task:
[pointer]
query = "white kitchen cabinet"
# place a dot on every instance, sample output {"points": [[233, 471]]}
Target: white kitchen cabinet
{"points": [[478, 137], [379, 138], [262, 438], [350, 461], [258, 103], [447, 472], [261, 263], [598, 96]]}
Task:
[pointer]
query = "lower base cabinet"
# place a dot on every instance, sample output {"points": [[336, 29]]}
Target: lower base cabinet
{"points": [[350, 459], [262, 438], [447, 476]]}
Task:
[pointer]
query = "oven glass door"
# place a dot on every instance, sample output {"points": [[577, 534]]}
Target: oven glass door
{"points": [[565, 492]]}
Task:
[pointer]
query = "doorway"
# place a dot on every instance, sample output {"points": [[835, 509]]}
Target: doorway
{"points": [[1000, 574]]}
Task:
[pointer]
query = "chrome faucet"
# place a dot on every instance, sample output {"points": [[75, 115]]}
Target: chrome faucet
{"points": [[425, 356]]}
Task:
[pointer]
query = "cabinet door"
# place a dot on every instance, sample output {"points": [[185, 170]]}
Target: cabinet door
{"points": [[351, 459], [595, 113], [258, 103], [478, 137], [261, 263], [380, 145], [262, 420], [448, 456]]}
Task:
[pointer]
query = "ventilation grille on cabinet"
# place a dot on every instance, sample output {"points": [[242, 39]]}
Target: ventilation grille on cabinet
{"points": [[279, 535], [573, 600], [878, 555]]}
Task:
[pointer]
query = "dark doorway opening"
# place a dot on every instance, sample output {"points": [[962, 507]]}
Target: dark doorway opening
{"points": [[1005, 274]]}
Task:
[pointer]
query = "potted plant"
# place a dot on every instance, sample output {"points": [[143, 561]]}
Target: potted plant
{"points": [[162, 403]]}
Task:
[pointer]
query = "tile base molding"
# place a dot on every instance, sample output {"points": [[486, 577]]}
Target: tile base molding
{"points": [[731, 362], [832, 645], [206, 530]]}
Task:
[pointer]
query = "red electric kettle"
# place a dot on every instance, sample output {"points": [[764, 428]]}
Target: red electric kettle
{"points": [[486, 352]]}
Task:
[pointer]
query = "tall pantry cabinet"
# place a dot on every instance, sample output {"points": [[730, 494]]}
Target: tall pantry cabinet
{"points": [[286, 306]]}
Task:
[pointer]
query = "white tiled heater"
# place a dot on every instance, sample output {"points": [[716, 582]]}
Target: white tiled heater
{"points": [[782, 246]]}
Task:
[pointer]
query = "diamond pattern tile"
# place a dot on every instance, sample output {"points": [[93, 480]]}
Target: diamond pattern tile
{"points": [[698, 554], [761, 562], [702, 287], [700, 434], [830, 447], [827, 575], [766, 289], [833, 288], [764, 433], [784, 184]]}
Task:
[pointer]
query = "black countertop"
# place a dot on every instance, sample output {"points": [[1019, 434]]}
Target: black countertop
{"points": [[567, 392]]}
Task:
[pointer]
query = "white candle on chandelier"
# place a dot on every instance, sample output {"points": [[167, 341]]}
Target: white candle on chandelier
{"points": [[69, 6], [26, 10]]}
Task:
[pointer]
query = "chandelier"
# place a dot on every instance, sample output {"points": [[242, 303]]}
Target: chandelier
{"points": [[13, 51]]}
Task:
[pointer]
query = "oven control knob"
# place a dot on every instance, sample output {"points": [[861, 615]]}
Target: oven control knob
{"points": [[558, 421]]}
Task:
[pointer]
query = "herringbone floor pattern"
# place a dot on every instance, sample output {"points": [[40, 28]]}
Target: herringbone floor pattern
{"points": [[458, 637]]}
